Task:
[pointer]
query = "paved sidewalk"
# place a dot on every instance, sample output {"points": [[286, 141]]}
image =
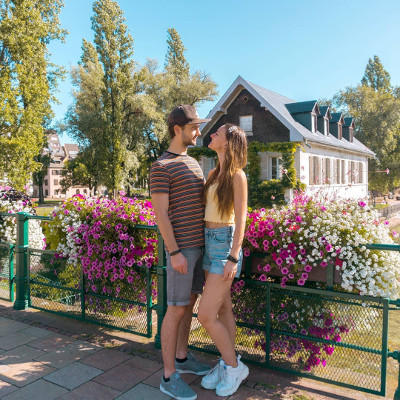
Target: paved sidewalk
{"points": [[45, 357]]}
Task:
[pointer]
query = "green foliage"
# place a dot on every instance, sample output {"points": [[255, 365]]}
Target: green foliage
{"points": [[264, 194], [377, 114], [102, 118], [376, 76], [27, 83], [198, 152], [77, 173], [175, 61]]}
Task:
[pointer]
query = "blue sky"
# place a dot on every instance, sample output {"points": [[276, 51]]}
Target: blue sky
{"points": [[301, 49]]}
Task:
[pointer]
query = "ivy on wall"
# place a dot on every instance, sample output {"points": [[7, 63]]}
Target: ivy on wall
{"points": [[264, 193]]}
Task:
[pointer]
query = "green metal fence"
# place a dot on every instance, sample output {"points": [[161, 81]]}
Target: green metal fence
{"points": [[6, 271], [323, 334], [47, 282]]}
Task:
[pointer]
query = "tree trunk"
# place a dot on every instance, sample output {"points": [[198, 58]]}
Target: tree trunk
{"points": [[41, 197]]}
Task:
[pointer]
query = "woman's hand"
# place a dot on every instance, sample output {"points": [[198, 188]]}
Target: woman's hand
{"points": [[230, 270]]}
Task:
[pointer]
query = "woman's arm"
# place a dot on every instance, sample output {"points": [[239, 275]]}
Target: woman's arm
{"points": [[240, 208]]}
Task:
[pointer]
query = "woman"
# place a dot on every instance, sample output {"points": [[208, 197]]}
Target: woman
{"points": [[225, 198]]}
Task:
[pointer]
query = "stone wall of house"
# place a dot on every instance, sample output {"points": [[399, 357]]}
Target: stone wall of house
{"points": [[266, 127]]}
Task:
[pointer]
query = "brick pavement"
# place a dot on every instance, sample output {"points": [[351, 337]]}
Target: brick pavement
{"points": [[44, 357]]}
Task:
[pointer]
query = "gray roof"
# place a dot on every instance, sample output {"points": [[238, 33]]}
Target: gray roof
{"points": [[276, 104]]}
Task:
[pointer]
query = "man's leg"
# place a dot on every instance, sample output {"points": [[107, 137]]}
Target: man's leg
{"points": [[169, 336], [184, 329]]}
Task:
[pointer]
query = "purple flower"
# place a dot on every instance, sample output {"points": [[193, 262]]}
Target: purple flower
{"points": [[324, 264], [275, 242], [301, 282], [361, 204]]}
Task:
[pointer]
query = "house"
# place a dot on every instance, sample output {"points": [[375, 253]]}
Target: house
{"points": [[330, 157], [59, 155]]}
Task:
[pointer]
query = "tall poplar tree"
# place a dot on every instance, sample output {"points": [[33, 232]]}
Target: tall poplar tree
{"points": [[27, 83], [104, 109], [376, 76]]}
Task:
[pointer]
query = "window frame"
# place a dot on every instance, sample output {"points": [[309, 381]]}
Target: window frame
{"points": [[243, 124]]}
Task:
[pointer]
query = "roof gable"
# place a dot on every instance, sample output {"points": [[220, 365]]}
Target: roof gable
{"points": [[277, 105]]}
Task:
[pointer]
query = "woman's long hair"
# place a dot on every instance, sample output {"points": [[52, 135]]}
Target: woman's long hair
{"points": [[235, 158]]}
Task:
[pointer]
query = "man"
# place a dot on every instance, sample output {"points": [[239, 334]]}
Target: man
{"points": [[176, 183]]}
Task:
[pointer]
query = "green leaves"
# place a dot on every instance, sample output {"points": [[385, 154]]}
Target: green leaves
{"points": [[27, 83]]}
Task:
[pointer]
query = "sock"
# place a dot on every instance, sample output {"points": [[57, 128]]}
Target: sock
{"points": [[181, 360], [165, 379]]}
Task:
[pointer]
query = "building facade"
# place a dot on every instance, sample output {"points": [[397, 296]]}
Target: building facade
{"points": [[52, 182], [330, 158]]}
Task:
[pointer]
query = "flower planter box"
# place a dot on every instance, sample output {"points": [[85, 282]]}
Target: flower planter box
{"points": [[317, 274]]}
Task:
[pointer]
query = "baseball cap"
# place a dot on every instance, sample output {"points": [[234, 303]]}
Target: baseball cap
{"points": [[185, 114]]}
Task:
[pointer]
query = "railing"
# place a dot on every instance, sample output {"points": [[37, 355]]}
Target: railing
{"points": [[53, 284], [266, 334], [387, 211]]}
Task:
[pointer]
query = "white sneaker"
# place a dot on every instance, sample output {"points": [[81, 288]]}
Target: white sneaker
{"points": [[231, 379], [211, 380]]}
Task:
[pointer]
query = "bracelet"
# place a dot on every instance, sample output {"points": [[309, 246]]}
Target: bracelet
{"points": [[233, 259], [175, 252]]}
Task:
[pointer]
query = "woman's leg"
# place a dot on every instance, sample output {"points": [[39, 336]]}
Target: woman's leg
{"points": [[216, 293], [225, 315]]}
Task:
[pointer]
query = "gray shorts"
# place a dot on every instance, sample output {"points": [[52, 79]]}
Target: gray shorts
{"points": [[181, 286]]}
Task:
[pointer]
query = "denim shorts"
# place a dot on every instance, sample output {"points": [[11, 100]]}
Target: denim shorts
{"points": [[218, 247], [181, 286]]}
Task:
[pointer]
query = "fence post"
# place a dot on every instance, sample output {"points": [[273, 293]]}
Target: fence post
{"points": [[21, 278], [161, 289], [396, 356]]}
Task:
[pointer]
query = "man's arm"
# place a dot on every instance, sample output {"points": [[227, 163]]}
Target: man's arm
{"points": [[160, 204]]}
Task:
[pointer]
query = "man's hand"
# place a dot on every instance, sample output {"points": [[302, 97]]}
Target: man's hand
{"points": [[179, 263], [230, 270]]}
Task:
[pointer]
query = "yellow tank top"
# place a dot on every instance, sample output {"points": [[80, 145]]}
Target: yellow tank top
{"points": [[211, 212]]}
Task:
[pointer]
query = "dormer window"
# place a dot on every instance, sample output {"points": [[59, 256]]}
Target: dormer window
{"points": [[326, 126], [246, 123], [313, 123]]}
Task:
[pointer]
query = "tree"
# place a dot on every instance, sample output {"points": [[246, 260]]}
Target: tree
{"points": [[375, 76], [103, 114], [27, 83], [376, 108], [166, 89], [77, 173], [44, 160]]}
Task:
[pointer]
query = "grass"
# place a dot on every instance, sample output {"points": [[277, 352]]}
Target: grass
{"points": [[381, 206], [44, 211]]}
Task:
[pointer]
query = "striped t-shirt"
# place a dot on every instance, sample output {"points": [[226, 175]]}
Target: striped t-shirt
{"points": [[182, 178]]}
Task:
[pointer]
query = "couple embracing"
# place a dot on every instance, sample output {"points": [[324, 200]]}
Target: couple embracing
{"points": [[202, 224]]}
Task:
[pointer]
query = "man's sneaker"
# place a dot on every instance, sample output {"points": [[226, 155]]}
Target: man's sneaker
{"points": [[192, 366], [177, 388], [211, 380], [231, 379]]}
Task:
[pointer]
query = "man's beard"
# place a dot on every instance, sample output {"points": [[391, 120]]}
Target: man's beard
{"points": [[187, 141]]}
